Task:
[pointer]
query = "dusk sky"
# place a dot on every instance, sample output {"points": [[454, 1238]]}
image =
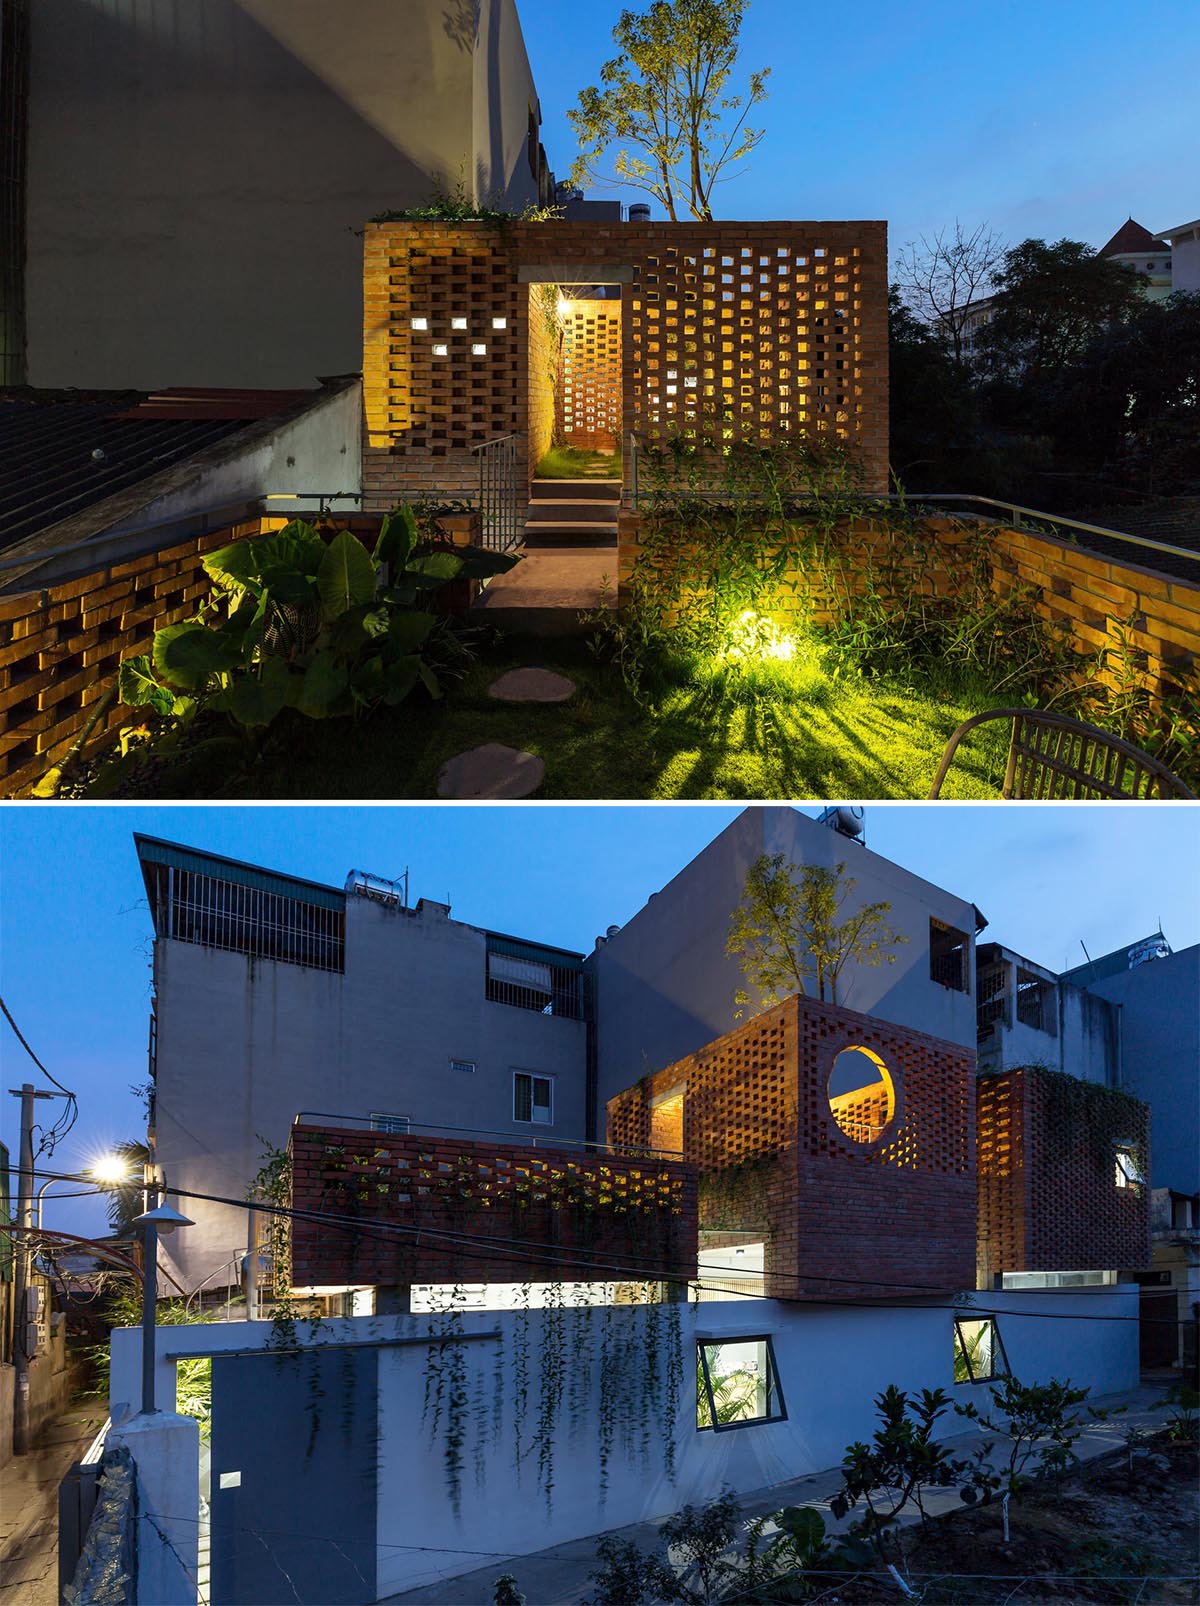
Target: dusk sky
{"points": [[75, 933], [1045, 119]]}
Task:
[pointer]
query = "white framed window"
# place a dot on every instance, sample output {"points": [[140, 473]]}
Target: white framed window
{"points": [[533, 1098], [466, 1066], [1128, 1172], [737, 1385], [978, 1351], [381, 1121]]}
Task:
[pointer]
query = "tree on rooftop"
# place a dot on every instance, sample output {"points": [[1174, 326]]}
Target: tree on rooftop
{"points": [[943, 279], [789, 930], [663, 104]]}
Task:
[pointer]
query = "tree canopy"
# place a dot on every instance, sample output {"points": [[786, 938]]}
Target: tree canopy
{"points": [[664, 104]]}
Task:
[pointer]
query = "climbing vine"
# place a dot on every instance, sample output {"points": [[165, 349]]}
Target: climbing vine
{"points": [[1084, 1117]]}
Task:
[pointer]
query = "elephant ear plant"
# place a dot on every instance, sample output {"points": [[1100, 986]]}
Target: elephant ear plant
{"points": [[295, 621]]}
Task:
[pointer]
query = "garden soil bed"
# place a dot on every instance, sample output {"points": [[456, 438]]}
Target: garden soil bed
{"points": [[1116, 1531]]}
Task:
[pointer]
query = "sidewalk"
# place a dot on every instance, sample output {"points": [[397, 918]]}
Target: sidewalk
{"points": [[559, 1577], [29, 1506]]}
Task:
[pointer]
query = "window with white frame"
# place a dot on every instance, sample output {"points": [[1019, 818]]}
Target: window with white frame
{"points": [[1128, 1171], [978, 1351], [533, 1098], [737, 1384], [381, 1121]]}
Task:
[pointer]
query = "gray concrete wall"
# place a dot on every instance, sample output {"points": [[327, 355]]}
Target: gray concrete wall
{"points": [[1159, 1004], [665, 987], [8, 1383], [244, 1046], [1083, 1043], [197, 173]]}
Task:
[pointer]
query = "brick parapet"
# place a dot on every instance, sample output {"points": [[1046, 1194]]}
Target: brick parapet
{"points": [[1048, 1195], [530, 1214], [877, 1218]]}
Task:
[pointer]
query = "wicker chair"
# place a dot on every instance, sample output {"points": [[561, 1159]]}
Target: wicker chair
{"points": [[1054, 757]]}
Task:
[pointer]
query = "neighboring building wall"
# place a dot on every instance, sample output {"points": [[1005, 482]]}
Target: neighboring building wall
{"points": [[591, 375], [877, 1218], [625, 1219], [1185, 257], [781, 326], [831, 1363], [244, 1045], [1029, 1016], [664, 985], [1048, 1193], [198, 174]]}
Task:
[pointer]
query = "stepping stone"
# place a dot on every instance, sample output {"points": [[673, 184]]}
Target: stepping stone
{"points": [[531, 686], [492, 770]]}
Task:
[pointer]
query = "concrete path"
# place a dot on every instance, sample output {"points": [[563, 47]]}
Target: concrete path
{"points": [[491, 771], [29, 1507], [545, 593], [559, 1577]]}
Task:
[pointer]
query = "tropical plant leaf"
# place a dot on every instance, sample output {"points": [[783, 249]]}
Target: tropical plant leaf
{"points": [[367, 682], [346, 577], [407, 630], [255, 699], [325, 680], [233, 566], [397, 537], [433, 568], [430, 681], [187, 654], [136, 685], [399, 680], [480, 564]]}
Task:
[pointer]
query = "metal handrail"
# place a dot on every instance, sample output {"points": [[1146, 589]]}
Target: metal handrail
{"points": [[417, 1129], [1015, 510], [499, 503]]}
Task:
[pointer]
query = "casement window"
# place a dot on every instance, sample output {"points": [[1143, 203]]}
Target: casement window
{"points": [[533, 1098], [1128, 1172], [978, 1351], [737, 1384], [382, 1122], [948, 951]]}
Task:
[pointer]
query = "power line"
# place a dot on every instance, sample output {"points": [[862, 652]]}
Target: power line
{"points": [[29, 1051], [518, 1249]]}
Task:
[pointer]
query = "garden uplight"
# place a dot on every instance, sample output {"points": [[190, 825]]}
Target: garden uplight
{"points": [[754, 636]]}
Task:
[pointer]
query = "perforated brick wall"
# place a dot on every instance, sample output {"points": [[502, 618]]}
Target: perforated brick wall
{"points": [[530, 1214], [545, 366], [889, 1216], [591, 375], [748, 328], [1048, 1194]]}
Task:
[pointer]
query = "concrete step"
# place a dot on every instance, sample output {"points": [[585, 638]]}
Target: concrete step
{"points": [[575, 490], [548, 533], [579, 511], [546, 592]]}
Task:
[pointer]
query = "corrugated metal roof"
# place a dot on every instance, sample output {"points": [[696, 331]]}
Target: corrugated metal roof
{"points": [[537, 953], [154, 850], [65, 451]]}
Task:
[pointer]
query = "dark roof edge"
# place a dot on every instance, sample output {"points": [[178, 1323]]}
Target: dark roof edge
{"points": [[221, 861]]}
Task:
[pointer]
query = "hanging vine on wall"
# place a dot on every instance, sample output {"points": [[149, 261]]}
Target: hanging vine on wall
{"points": [[1080, 1116]]}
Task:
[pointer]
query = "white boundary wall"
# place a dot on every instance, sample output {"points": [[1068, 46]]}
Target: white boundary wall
{"points": [[831, 1361]]}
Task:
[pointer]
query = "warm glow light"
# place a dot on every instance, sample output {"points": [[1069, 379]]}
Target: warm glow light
{"points": [[110, 1169], [754, 636]]}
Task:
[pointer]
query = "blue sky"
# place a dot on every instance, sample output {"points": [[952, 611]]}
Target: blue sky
{"points": [[75, 931], [1049, 118]]}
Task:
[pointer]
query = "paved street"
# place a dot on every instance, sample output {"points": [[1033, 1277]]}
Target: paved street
{"points": [[29, 1507]]}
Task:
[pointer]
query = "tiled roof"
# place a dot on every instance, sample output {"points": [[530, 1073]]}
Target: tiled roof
{"points": [[1131, 237], [62, 452]]}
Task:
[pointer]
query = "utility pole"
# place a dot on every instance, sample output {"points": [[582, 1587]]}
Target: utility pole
{"points": [[23, 1349]]}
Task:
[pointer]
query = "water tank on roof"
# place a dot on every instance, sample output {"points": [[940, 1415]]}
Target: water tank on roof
{"points": [[363, 884], [639, 212], [846, 821]]}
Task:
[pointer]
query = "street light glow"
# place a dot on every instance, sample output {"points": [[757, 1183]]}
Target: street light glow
{"points": [[110, 1169]]}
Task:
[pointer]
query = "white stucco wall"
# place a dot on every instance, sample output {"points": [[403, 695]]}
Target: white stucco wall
{"points": [[665, 986], [244, 1046], [197, 173], [831, 1363]]}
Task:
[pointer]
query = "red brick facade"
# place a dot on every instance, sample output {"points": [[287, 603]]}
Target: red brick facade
{"points": [[840, 1219], [1048, 1194], [538, 1214], [754, 328]]}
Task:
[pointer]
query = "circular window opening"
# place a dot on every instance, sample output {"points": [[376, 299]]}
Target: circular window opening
{"points": [[862, 1097]]}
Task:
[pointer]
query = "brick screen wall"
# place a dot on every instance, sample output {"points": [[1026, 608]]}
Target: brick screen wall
{"points": [[591, 375], [757, 328], [545, 368], [840, 1218], [1048, 1198], [598, 1217], [61, 646], [1093, 597]]}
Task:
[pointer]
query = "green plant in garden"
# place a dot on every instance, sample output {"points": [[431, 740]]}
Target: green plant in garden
{"points": [[193, 1376], [506, 1593], [1041, 1421], [786, 931], [902, 1462], [1183, 1421], [456, 205]]}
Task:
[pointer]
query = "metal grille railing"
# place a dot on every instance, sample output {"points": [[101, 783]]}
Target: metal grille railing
{"points": [[499, 493], [191, 907], [991, 983], [547, 989]]}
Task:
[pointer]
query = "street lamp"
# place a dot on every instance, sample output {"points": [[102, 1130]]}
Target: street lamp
{"points": [[162, 1219]]}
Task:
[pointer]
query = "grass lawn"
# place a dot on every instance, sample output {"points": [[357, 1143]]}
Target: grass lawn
{"points": [[800, 735], [571, 463]]}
